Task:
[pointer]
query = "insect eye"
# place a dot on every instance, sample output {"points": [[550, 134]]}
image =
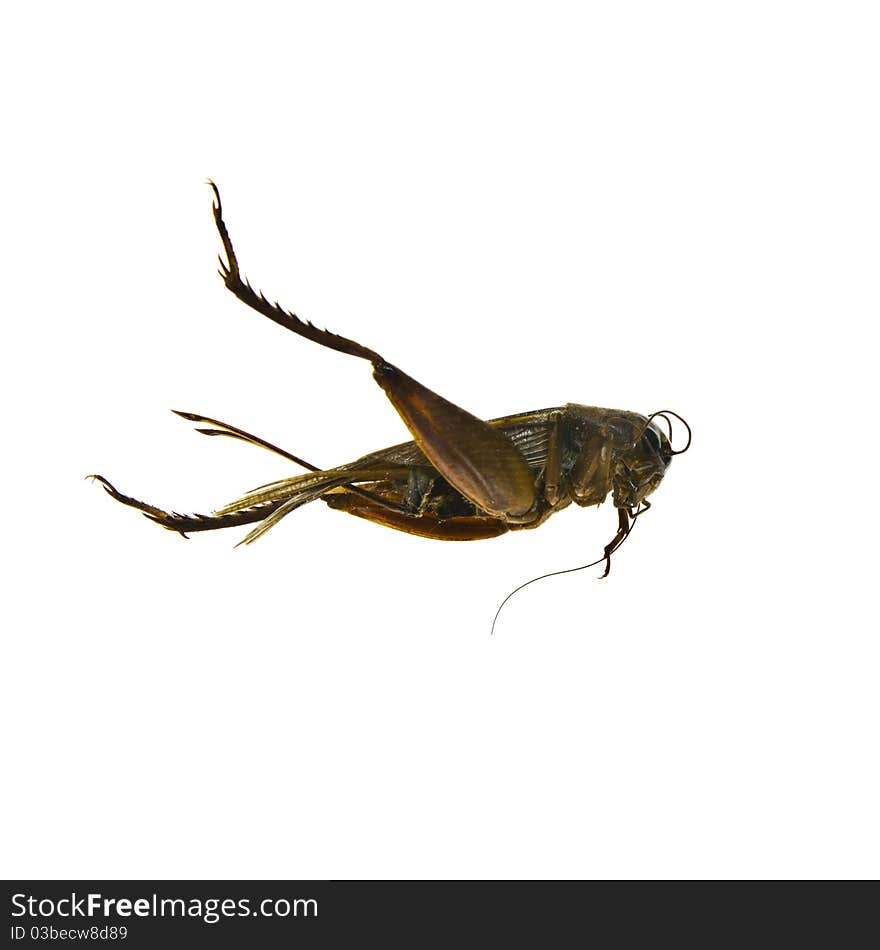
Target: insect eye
{"points": [[652, 439]]}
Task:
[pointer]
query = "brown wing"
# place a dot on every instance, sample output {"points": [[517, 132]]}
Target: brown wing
{"points": [[529, 432]]}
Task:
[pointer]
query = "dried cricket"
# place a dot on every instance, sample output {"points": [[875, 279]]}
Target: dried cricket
{"points": [[461, 478]]}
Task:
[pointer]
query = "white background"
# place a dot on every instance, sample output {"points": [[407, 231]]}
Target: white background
{"points": [[631, 205]]}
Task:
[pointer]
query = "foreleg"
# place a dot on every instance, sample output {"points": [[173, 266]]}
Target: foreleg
{"points": [[623, 529], [591, 478]]}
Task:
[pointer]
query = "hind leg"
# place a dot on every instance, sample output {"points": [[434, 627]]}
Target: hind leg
{"points": [[425, 525], [475, 458], [184, 523]]}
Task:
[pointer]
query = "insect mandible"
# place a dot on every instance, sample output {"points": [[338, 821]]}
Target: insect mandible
{"points": [[461, 478]]}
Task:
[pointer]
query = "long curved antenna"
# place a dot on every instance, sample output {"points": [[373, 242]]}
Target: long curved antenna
{"points": [[571, 570], [665, 413]]}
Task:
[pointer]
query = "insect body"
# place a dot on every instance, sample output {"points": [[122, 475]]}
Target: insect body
{"points": [[461, 478]]}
